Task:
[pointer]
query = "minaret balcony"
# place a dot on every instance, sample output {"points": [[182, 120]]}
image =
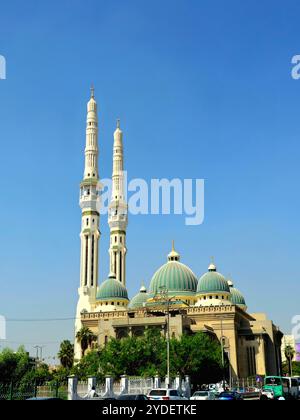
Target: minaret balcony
{"points": [[90, 204]]}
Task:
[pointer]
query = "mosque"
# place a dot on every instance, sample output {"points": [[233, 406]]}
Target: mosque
{"points": [[210, 304]]}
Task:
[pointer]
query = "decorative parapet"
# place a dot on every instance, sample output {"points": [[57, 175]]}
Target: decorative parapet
{"points": [[103, 315], [211, 309], [218, 309]]}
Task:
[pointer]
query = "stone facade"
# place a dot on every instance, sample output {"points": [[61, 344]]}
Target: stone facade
{"points": [[211, 304], [251, 342]]}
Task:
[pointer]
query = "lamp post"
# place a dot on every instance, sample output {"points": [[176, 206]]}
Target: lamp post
{"points": [[222, 349], [165, 298], [163, 295], [37, 353]]}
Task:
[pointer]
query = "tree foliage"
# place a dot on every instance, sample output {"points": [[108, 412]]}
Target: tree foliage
{"points": [[14, 365], [295, 368], [196, 355], [66, 354], [85, 337]]}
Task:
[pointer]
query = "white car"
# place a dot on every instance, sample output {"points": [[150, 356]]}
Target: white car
{"points": [[203, 396], [165, 394]]}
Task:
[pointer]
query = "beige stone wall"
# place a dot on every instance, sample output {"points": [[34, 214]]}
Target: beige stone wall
{"points": [[239, 330]]}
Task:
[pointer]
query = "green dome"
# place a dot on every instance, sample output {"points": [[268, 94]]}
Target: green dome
{"points": [[176, 277], [112, 289], [212, 282], [138, 300], [236, 297]]}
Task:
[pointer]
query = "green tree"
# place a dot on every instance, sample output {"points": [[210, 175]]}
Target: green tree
{"points": [[66, 354], [85, 337], [295, 368], [196, 355], [14, 365], [61, 375], [289, 352], [89, 365], [19, 369]]}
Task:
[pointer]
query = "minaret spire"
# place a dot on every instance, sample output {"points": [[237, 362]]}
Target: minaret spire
{"points": [[92, 91], [118, 218], [90, 220], [89, 203]]}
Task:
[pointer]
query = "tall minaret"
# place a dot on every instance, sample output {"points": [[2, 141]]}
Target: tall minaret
{"points": [[89, 202], [118, 217]]}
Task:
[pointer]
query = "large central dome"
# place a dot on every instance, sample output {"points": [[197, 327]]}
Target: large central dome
{"points": [[175, 277]]}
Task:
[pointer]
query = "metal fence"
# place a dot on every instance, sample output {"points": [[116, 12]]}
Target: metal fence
{"points": [[245, 384], [32, 390], [140, 385]]}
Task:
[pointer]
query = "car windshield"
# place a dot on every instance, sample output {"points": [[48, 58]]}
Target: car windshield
{"points": [[273, 381], [201, 394], [127, 397], [226, 394], [158, 393]]}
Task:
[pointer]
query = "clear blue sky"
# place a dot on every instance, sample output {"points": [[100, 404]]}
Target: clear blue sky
{"points": [[203, 90]]}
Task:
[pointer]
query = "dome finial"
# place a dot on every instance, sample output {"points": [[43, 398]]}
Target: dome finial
{"points": [[229, 281], [212, 266], [143, 287], [173, 256], [118, 123], [92, 91]]}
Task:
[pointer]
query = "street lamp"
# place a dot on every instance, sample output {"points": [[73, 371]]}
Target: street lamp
{"points": [[163, 296], [37, 353], [222, 349]]}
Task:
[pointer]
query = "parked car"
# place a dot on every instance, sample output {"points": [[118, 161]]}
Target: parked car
{"points": [[203, 396], [298, 379], [165, 394], [43, 399], [132, 397], [230, 396]]}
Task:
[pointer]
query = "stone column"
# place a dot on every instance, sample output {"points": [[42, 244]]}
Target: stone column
{"points": [[109, 382], [92, 382], [178, 383], [124, 385], [157, 382], [72, 388], [187, 386]]}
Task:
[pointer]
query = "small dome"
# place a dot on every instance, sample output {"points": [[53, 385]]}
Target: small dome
{"points": [[237, 298], [212, 282], [112, 289], [174, 276], [230, 284], [140, 299]]}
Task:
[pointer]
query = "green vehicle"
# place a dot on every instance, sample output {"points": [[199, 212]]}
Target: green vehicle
{"points": [[276, 387]]}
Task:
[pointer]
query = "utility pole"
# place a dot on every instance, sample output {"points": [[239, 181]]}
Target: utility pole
{"points": [[165, 298], [37, 354], [222, 349]]}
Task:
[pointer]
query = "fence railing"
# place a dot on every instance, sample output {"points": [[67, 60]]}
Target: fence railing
{"points": [[140, 385], [32, 390]]}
